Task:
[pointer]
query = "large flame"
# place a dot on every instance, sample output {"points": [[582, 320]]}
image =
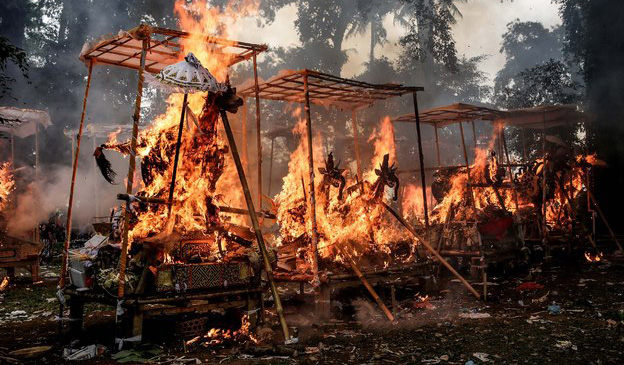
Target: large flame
{"points": [[193, 188], [354, 225]]}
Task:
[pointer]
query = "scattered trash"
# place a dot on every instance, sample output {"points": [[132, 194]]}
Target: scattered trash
{"points": [[529, 285], [139, 354], [541, 299], [474, 315], [31, 352], [565, 345], [482, 356], [83, 353], [469, 362], [554, 309]]}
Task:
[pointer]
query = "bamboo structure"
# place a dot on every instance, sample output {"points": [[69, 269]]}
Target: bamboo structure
{"points": [[312, 202], [255, 224], [432, 250], [421, 159], [130, 179], [258, 133], [356, 144], [177, 152], [70, 205]]}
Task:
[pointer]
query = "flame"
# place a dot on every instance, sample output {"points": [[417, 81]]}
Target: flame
{"points": [[353, 225], [593, 257], [194, 184], [7, 184]]}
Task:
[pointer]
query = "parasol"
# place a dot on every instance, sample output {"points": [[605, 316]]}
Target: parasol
{"points": [[187, 76]]}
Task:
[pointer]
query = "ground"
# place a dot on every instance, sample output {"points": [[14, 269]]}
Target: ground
{"points": [[513, 327]]}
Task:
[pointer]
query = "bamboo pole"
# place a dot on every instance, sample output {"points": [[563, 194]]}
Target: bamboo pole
{"points": [[356, 144], [258, 135], [254, 222], [13, 148], [73, 181], [604, 219], [432, 250], [36, 151], [271, 167], [312, 202], [513, 182], [177, 154], [474, 134], [421, 160], [96, 200], [131, 167], [472, 198], [244, 136], [370, 288], [437, 143]]}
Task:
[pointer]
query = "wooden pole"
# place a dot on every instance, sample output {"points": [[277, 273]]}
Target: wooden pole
{"points": [[36, 151], [513, 182], [244, 136], [421, 159], [254, 222], [356, 144], [13, 149], [73, 181], [96, 199], [258, 131], [312, 202], [524, 150], [177, 154], [370, 288], [432, 250], [271, 167], [472, 198], [604, 219], [544, 182], [474, 134], [131, 167], [437, 142]]}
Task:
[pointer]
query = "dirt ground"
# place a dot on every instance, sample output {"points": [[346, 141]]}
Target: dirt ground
{"points": [[575, 318]]}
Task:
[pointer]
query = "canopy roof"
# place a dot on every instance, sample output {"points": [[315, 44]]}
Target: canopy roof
{"points": [[450, 114], [22, 122], [165, 48], [324, 89], [547, 116]]}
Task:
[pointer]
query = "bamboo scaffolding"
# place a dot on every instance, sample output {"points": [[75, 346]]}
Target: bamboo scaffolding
{"points": [[131, 167], [258, 132], [432, 250], [312, 202], [256, 226], [421, 160]]}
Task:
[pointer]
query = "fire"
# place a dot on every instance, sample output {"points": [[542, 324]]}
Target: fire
{"points": [[7, 184], [353, 225], [593, 257], [203, 148]]}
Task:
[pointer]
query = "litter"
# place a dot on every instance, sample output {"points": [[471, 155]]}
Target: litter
{"points": [[475, 315], [554, 309]]}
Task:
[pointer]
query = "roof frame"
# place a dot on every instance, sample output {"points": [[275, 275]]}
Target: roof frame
{"points": [[124, 49], [325, 89]]}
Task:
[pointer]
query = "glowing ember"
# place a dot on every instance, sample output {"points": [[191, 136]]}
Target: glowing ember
{"points": [[593, 257]]}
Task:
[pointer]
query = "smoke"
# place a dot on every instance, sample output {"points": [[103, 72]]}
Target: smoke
{"points": [[93, 197]]}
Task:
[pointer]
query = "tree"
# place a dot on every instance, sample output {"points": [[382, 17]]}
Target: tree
{"points": [[10, 54], [593, 36], [525, 45], [549, 83]]}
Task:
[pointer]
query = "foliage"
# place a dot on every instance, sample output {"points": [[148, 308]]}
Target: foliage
{"points": [[10, 54], [549, 83]]}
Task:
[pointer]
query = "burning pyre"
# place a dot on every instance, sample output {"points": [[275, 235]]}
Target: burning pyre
{"points": [[350, 219]]}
